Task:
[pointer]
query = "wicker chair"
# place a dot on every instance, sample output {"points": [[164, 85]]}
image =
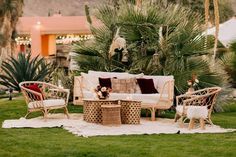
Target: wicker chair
{"points": [[50, 97], [203, 97]]}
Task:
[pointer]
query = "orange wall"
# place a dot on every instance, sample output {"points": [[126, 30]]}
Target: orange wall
{"points": [[52, 44], [44, 45], [48, 45]]}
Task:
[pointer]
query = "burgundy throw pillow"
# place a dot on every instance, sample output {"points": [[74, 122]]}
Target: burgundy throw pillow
{"points": [[34, 87], [146, 86], [105, 82]]}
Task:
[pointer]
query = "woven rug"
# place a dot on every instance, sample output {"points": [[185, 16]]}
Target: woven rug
{"points": [[77, 126]]}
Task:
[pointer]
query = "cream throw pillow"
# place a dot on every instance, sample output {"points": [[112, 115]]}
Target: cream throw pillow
{"points": [[89, 81], [123, 85]]}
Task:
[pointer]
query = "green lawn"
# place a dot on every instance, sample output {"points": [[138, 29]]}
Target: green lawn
{"points": [[59, 142]]}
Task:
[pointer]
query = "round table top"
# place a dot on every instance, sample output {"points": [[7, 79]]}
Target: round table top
{"points": [[100, 99], [110, 106], [104, 100]]}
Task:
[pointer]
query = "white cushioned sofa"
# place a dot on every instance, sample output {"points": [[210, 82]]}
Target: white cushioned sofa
{"points": [[85, 84]]}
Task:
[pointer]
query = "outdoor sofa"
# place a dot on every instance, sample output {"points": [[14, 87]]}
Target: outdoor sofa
{"points": [[85, 85]]}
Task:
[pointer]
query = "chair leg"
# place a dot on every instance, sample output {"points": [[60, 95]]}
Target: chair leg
{"points": [[45, 114], [181, 123], [202, 123], [176, 117], [191, 123], [209, 121], [66, 112], [27, 114]]}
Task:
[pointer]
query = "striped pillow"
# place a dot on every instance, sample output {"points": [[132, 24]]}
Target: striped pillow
{"points": [[123, 85]]}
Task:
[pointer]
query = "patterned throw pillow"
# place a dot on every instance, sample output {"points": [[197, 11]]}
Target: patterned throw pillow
{"points": [[123, 85]]}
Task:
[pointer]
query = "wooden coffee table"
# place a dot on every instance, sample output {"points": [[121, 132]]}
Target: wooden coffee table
{"points": [[93, 111]]}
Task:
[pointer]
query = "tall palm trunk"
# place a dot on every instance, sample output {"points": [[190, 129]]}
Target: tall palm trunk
{"points": [[10, 12], [6, 31], [206, 5], [217, 23]]}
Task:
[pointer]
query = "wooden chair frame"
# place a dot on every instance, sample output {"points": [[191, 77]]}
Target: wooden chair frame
{"points": [[49, 91], [204, 97]]}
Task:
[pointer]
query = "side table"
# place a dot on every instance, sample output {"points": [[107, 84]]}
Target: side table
{"points": [[111, 115], [130, 111]]}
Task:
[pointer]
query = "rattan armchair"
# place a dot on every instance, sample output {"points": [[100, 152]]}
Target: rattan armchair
{"points": [[204, 97], [49, 97]]}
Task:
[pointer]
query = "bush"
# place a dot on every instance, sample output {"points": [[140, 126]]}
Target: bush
{"points": [[2, 92], [23, 68], [65, 79]]}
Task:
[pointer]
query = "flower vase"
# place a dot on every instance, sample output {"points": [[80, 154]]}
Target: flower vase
{"points": [[190, 90]]}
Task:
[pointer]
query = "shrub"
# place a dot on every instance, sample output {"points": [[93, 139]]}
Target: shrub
{"points": [[23, 68]]}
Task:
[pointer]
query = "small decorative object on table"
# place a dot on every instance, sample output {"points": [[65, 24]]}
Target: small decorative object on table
{"points": [[102, 92], [192, 83]]}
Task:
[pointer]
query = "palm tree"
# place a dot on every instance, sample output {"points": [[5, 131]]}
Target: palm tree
{"points": [[229, 63], [179, 49], [163, 41], [10, 11], [95, 55]]}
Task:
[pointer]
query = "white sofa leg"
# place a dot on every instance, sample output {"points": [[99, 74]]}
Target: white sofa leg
{"points": [[153, 114]]}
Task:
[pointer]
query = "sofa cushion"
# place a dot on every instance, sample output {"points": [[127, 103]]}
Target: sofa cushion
{"points": [[105, 82], [89, 95], [159, 82], [35, 88], [144, 98], [146, 86], [123, 85], [89, 81], [136, 76], [197, 112], [47, 103]]}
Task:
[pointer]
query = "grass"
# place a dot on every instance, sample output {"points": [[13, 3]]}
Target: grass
{"points": [[58, 142], [4, 95]]}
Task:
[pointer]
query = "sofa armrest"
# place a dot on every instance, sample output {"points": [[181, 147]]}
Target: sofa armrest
{"points": [[78, 91], [168, 86]]}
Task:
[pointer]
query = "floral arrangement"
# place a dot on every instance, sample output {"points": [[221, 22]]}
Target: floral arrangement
{"points": [[102, 92], [193, 82]]}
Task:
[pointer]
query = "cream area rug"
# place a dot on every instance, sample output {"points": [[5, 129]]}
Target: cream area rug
{"points": [[76, 125]]}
